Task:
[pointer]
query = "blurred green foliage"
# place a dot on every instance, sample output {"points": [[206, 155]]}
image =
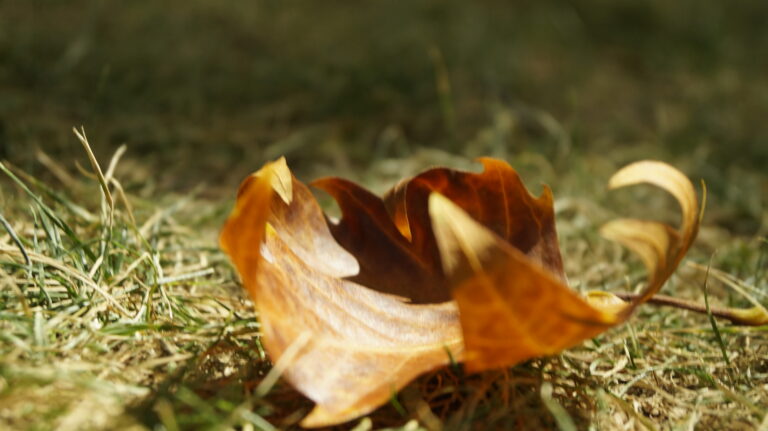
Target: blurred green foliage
{"points": [[222, 85]]}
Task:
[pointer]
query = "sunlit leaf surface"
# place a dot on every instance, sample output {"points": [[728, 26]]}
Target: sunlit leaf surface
{"points": [[449, 265]]}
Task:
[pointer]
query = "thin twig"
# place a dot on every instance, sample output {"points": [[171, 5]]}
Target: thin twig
{"points": [[730, 314]]}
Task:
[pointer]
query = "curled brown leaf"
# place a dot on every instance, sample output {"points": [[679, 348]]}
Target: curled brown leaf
{"points": [[357, 345], [449, 265], [659, 246]]}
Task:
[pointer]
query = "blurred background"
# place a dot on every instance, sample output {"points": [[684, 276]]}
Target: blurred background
{"points": [[204, 91]]}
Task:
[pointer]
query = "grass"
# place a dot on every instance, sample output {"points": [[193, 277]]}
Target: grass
{"points": [[122, 313], [118, 310], [88, 291]]}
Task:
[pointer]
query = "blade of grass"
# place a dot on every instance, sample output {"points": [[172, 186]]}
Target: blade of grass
{"points": [[718, 336], [562, 418], [45, 260], [50, 212], [15, 238], [96, 168]]}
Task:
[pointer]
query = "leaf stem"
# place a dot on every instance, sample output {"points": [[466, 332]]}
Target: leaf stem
{"points": [[734, 315]]}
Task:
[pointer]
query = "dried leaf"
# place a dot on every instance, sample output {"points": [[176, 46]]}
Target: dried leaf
{"points": [[356, 309], [511, 307], [389, 262], [398, 228], [359, 345], [495, 198], [659, 246]]}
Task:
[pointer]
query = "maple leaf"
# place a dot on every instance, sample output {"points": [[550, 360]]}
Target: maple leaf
{"points": [[351, 346], [449, 265]]}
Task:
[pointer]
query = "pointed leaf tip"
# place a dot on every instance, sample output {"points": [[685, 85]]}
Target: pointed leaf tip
{"points": [[281, 179], [457, 234], [364, 343], [511, 306]]}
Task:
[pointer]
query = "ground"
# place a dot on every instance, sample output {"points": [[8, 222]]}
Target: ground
{"points": [[128, 316]]}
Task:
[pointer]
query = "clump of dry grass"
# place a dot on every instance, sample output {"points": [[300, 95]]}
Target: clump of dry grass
{"points": [[102, 307], [117, 312]]}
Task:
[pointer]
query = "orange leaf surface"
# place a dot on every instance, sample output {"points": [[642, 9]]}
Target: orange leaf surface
{"points": [[511, 307], [447, 266], [357, 345], [659, 246], [495, 198]]}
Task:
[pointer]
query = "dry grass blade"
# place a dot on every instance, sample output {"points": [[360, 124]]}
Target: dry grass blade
{"points": [[95, 165]]}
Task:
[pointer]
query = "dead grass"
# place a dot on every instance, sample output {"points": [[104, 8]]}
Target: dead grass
{"points": [[119, 312]]}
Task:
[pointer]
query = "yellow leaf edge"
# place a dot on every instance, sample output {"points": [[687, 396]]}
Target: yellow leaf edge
{"points": [[659, 246]]}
